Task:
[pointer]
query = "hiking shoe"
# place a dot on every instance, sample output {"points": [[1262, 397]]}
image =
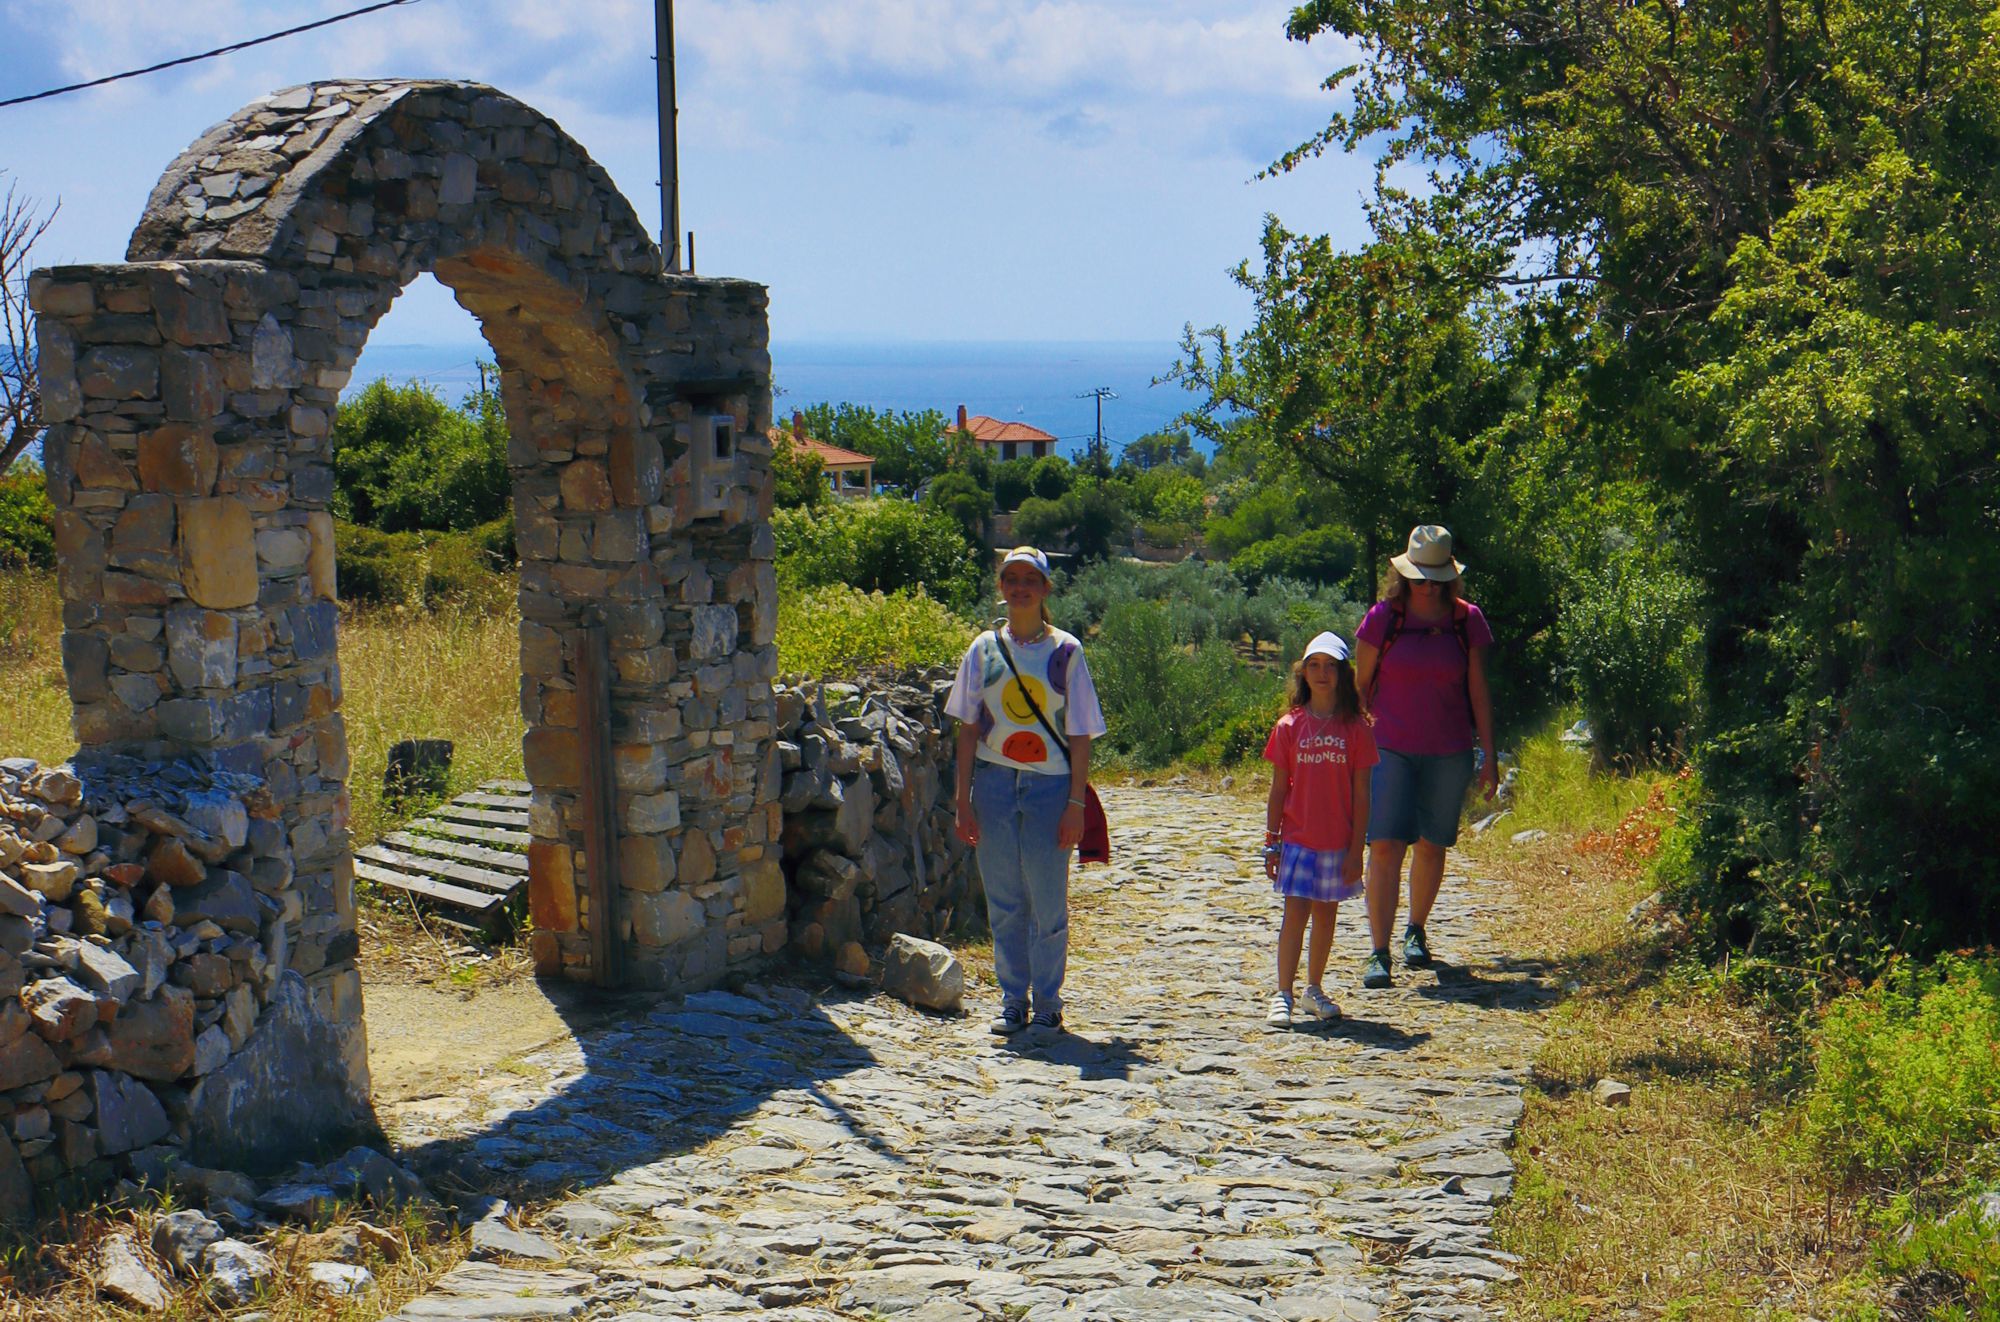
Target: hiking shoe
{"points": [[1011, 1020], [1321, 1005], [1416, 947], [1049, 1020], [1280, 1013], [1376, 973]]}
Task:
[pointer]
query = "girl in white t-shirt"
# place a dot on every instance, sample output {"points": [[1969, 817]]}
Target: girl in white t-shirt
{"points": [[1317, 815], [1020, 794]]}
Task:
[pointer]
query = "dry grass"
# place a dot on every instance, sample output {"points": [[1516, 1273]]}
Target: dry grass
{"points": [[35, 721], [451, 674], [1680, 1204], [50, 1278]]}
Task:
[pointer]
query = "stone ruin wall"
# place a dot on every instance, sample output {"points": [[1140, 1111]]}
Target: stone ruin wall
{"points": [[190, 392]]}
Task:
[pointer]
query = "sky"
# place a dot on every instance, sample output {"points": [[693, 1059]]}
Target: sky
{"points": [[894, 170]]}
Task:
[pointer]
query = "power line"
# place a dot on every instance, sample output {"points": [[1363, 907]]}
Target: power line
{"points": [[205, 55]]}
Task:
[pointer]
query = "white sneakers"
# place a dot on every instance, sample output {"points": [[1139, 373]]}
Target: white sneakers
{"points": [[1318, 1005]]}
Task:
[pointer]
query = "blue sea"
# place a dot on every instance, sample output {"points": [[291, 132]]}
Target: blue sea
{"points": [[1038, 384]]}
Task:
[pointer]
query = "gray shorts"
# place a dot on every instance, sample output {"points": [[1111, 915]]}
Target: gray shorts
{"points": [[1418, 796]]}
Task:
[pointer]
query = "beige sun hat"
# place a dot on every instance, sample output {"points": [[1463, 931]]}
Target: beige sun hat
{"points": [[1428, 555]]}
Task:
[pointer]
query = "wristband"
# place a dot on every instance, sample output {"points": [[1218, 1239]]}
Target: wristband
{"points": [[1076, 803], [1272, 851]]}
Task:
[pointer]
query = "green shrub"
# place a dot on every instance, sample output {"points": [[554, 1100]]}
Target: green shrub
{"points": [[27, 520], [1629, 633], [959, 496], [1907, 1074], [1951, 1264], [879, 546], [1326, 556], [835, 629], [404, 460], [427, 570], [1013, 482], [1161, 697], [1051, 477]]}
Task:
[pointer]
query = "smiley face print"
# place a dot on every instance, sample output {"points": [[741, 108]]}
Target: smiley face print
{"points": [[1014, 695]]}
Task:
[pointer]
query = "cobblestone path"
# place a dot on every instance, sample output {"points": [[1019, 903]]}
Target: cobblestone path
{"points": [[1169, 1157]]}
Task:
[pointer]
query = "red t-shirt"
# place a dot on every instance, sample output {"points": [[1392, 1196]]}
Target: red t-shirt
{"points": [[1321, 755]]}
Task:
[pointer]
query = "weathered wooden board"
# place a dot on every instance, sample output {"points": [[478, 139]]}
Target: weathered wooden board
{"points": [[456, 861]]}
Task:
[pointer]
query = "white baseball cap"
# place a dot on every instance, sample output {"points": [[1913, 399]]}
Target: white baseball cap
{"points": [[1027, 555], [1327, 644]]}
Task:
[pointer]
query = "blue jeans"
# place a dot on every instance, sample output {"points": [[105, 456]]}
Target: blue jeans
{"points": [[1026, 877]]}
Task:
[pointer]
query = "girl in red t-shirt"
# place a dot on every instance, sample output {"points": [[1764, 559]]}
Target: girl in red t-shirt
{"points": [[1317, 815]]}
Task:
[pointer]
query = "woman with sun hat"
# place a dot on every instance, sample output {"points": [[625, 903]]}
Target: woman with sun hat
{"points": [[1022, 786], [1420, 661]]}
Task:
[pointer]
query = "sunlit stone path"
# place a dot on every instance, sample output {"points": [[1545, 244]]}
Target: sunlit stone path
{"points": [[1168, 1157]]}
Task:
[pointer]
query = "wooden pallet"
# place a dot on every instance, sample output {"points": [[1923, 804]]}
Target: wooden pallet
{"points": [[464, 862]]}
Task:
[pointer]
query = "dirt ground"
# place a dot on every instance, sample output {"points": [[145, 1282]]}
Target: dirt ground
{"points": [[441, 1008]]}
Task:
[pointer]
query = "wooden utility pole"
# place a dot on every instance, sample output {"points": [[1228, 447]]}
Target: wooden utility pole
{"points": [[670, 183], [1100, 394]]}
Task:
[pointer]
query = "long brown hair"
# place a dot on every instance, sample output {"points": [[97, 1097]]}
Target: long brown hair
{"points": [[1346, 699]]}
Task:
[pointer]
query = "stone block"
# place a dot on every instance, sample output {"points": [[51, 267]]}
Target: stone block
{"points": [[298, 1084], [697, 858], [178, 460], [283, 550], [551, 886], [320, 573], [202, 648], [646, 863], [191, 386], [218, 552], [128, 1116], [99, 467], [666, 919], [553, 758], [119, 372], [923, 973], [650, 814], [225, 898], [26, 1059], [636, 469], [763, 891], [714, 632], [85, 658], [586, 486], [151, 1039]]}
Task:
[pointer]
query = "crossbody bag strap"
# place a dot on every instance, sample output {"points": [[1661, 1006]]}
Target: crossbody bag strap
{"points": [[1028, 697]]}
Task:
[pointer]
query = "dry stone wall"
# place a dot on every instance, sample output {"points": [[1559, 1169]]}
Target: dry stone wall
{"points": [[146, 918], [867, 797]]}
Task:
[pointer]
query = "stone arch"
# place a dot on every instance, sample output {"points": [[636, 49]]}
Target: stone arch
{"points": [[191, 391]]}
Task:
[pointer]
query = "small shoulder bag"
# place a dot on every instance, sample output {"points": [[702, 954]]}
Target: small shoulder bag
{"points": [[1095, 847]]}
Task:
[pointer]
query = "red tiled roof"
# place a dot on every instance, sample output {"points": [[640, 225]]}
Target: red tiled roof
{"points": [[992, 431], [831, 456]]}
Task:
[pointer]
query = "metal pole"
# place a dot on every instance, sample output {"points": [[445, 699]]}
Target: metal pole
{"points": [[670, 180]]}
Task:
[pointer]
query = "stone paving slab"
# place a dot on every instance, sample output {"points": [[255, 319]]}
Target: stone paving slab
{"points": [[1169, 1157]]}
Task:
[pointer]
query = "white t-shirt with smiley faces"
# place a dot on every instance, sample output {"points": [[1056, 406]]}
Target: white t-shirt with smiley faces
{"points": [[986, 695]]}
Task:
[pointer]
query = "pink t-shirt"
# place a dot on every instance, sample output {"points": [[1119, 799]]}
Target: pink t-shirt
{"points": [[1420, 703], [1321, 755]]}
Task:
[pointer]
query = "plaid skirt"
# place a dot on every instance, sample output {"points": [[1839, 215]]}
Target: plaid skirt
{"points": [[1312, 874]]}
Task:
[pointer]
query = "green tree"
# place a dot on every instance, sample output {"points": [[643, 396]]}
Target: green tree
{"points": [[798, 475], [880, 545], [1052, 477], [1013, 482], [1171, 448], [957, 495], [908, 448], [403, 459], [1752, 264]]}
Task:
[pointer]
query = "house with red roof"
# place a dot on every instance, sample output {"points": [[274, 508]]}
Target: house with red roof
{"points": [[849, 472], [1011, 440]]}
